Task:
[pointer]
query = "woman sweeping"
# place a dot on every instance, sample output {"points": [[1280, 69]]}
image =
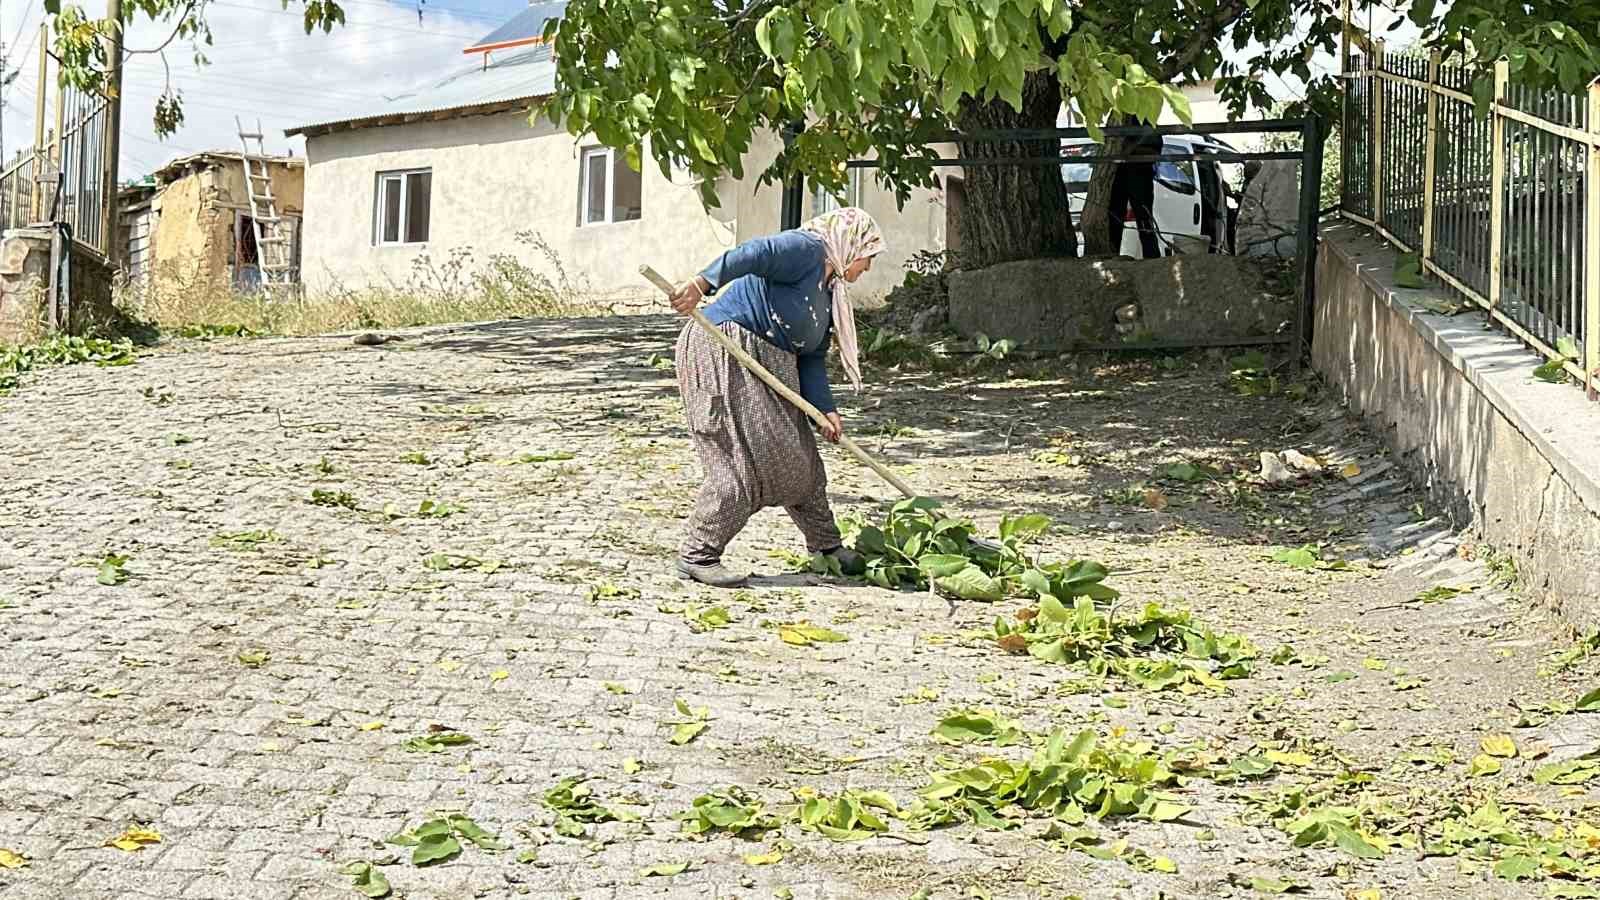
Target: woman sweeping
{"points": [[779, 298]]}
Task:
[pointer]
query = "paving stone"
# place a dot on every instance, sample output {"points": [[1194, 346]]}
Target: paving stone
{"points": [[133, 699]]}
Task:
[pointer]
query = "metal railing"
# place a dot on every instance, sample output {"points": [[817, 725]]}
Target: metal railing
{"points": [[1503, 208], [73, 153], [18, 189]]}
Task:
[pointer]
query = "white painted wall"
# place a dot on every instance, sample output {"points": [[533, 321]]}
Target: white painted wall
{"points": [[492, 177], [919, 226]]}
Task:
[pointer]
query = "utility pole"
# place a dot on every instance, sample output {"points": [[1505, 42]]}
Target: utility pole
{"points": [[113, 141], [38, 121]]}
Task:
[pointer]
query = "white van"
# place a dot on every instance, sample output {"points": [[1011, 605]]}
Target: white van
{"points": [[1191, 197]]}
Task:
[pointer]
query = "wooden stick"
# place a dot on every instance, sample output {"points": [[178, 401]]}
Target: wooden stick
{"points": [[773, 382]]}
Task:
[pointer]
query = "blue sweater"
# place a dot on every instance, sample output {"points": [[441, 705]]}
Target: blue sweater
{"points": [[772, 287]]}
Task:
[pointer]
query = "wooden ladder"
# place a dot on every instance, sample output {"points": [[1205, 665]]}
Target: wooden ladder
{"points": [[274, 240]]}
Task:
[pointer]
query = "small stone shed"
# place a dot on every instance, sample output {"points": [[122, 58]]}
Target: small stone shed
{"points": [[194, 227]]}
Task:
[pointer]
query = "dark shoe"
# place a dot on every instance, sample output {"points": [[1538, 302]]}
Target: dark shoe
{"points": [[714, 574], [850, 562]]}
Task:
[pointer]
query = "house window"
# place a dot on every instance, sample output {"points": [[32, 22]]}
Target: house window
{"points": [[612, 192], [823, 202], [403, 207]]}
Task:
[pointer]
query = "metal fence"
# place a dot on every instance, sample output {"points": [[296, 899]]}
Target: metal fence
{"points": [[81, 152], [63, 179], [1503, 208]]}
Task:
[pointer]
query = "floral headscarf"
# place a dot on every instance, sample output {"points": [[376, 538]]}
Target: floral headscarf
{"points": [[849, 234]]}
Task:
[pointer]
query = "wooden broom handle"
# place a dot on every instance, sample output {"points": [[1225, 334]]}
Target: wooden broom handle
{"points": [[773, 382]]}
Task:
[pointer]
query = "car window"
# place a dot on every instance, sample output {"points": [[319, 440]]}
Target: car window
{"points": [[1176, 175], [1077, 174]]}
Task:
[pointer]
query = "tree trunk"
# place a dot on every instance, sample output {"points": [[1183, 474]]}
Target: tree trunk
{"points": [[1014, 212], [1096, 220]]}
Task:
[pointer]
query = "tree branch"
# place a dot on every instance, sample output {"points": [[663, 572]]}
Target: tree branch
{"points": [[182, 18], [1202, 39]]}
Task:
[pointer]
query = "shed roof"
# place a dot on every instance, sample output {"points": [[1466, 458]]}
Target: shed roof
{"points": [[511, 82], [185, 165]]}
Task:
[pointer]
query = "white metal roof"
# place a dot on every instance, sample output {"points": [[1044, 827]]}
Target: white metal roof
{"points": [[523, 75]]}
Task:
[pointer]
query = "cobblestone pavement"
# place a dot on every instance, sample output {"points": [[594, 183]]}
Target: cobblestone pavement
{"points": [[247, 690]]}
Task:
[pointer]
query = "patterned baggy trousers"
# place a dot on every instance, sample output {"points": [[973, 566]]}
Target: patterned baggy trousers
{"points": [[756, 449]]}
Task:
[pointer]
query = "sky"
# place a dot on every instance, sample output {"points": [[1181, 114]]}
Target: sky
{"points": [[263, 66]]}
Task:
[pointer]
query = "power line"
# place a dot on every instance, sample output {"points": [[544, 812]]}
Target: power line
{"points": [[288, 12], [293, 60]]}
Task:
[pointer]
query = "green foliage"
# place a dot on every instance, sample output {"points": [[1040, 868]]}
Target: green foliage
{"points": [[1066, 779], [697, 81], [320, 497], [1516, 850], [110, 572], [366, 878], [974, 726], [575, 806], [1547, 43], [60, 350], [916, 543], [1156, 649], [849, 816], [731, 810], [436, 741], [439, 839]]}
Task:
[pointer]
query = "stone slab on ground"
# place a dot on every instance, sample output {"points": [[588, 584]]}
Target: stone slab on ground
{"points": [[1058, 304]]}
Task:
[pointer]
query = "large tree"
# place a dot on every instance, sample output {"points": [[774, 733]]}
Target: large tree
{"points": [[699, 79]]}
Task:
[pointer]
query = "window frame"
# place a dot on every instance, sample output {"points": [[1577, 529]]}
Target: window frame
{"points": [[399, 175], [853, 190], [612, 160]]}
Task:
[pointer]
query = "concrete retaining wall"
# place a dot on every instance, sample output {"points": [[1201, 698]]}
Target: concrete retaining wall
{"points": [[1057, 304], [24, 273], [1515, 459]]}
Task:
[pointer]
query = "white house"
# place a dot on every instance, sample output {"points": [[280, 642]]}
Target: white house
{"points": [[459, 165]]}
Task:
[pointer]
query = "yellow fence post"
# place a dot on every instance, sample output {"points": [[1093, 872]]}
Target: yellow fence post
{"points": [[1591, 246], [1379, 54], [1497, 180], [1431, 144], [37, 195]]}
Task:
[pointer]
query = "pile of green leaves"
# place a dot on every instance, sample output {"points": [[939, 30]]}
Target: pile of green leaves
{"points": [[1518, 852], [436, 840], [1090, 633], [917, 545], [575, 806], [849, 816], [1332, 815], [1067, 780], [60, 350], [732, 810]]}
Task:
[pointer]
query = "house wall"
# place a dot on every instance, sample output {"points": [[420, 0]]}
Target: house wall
{"points": [[493, 177], [193, 233], [920, 225]]}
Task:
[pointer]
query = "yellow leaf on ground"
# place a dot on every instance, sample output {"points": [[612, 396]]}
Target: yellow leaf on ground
{"points": [[10, 859], [1289, 758], [135, 838], [372, 726], [1367, 894], [499, 675], [1500, 745], [1375, 664], [763, 859], [1350, 470], [1483, 764], [449, 665]]}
